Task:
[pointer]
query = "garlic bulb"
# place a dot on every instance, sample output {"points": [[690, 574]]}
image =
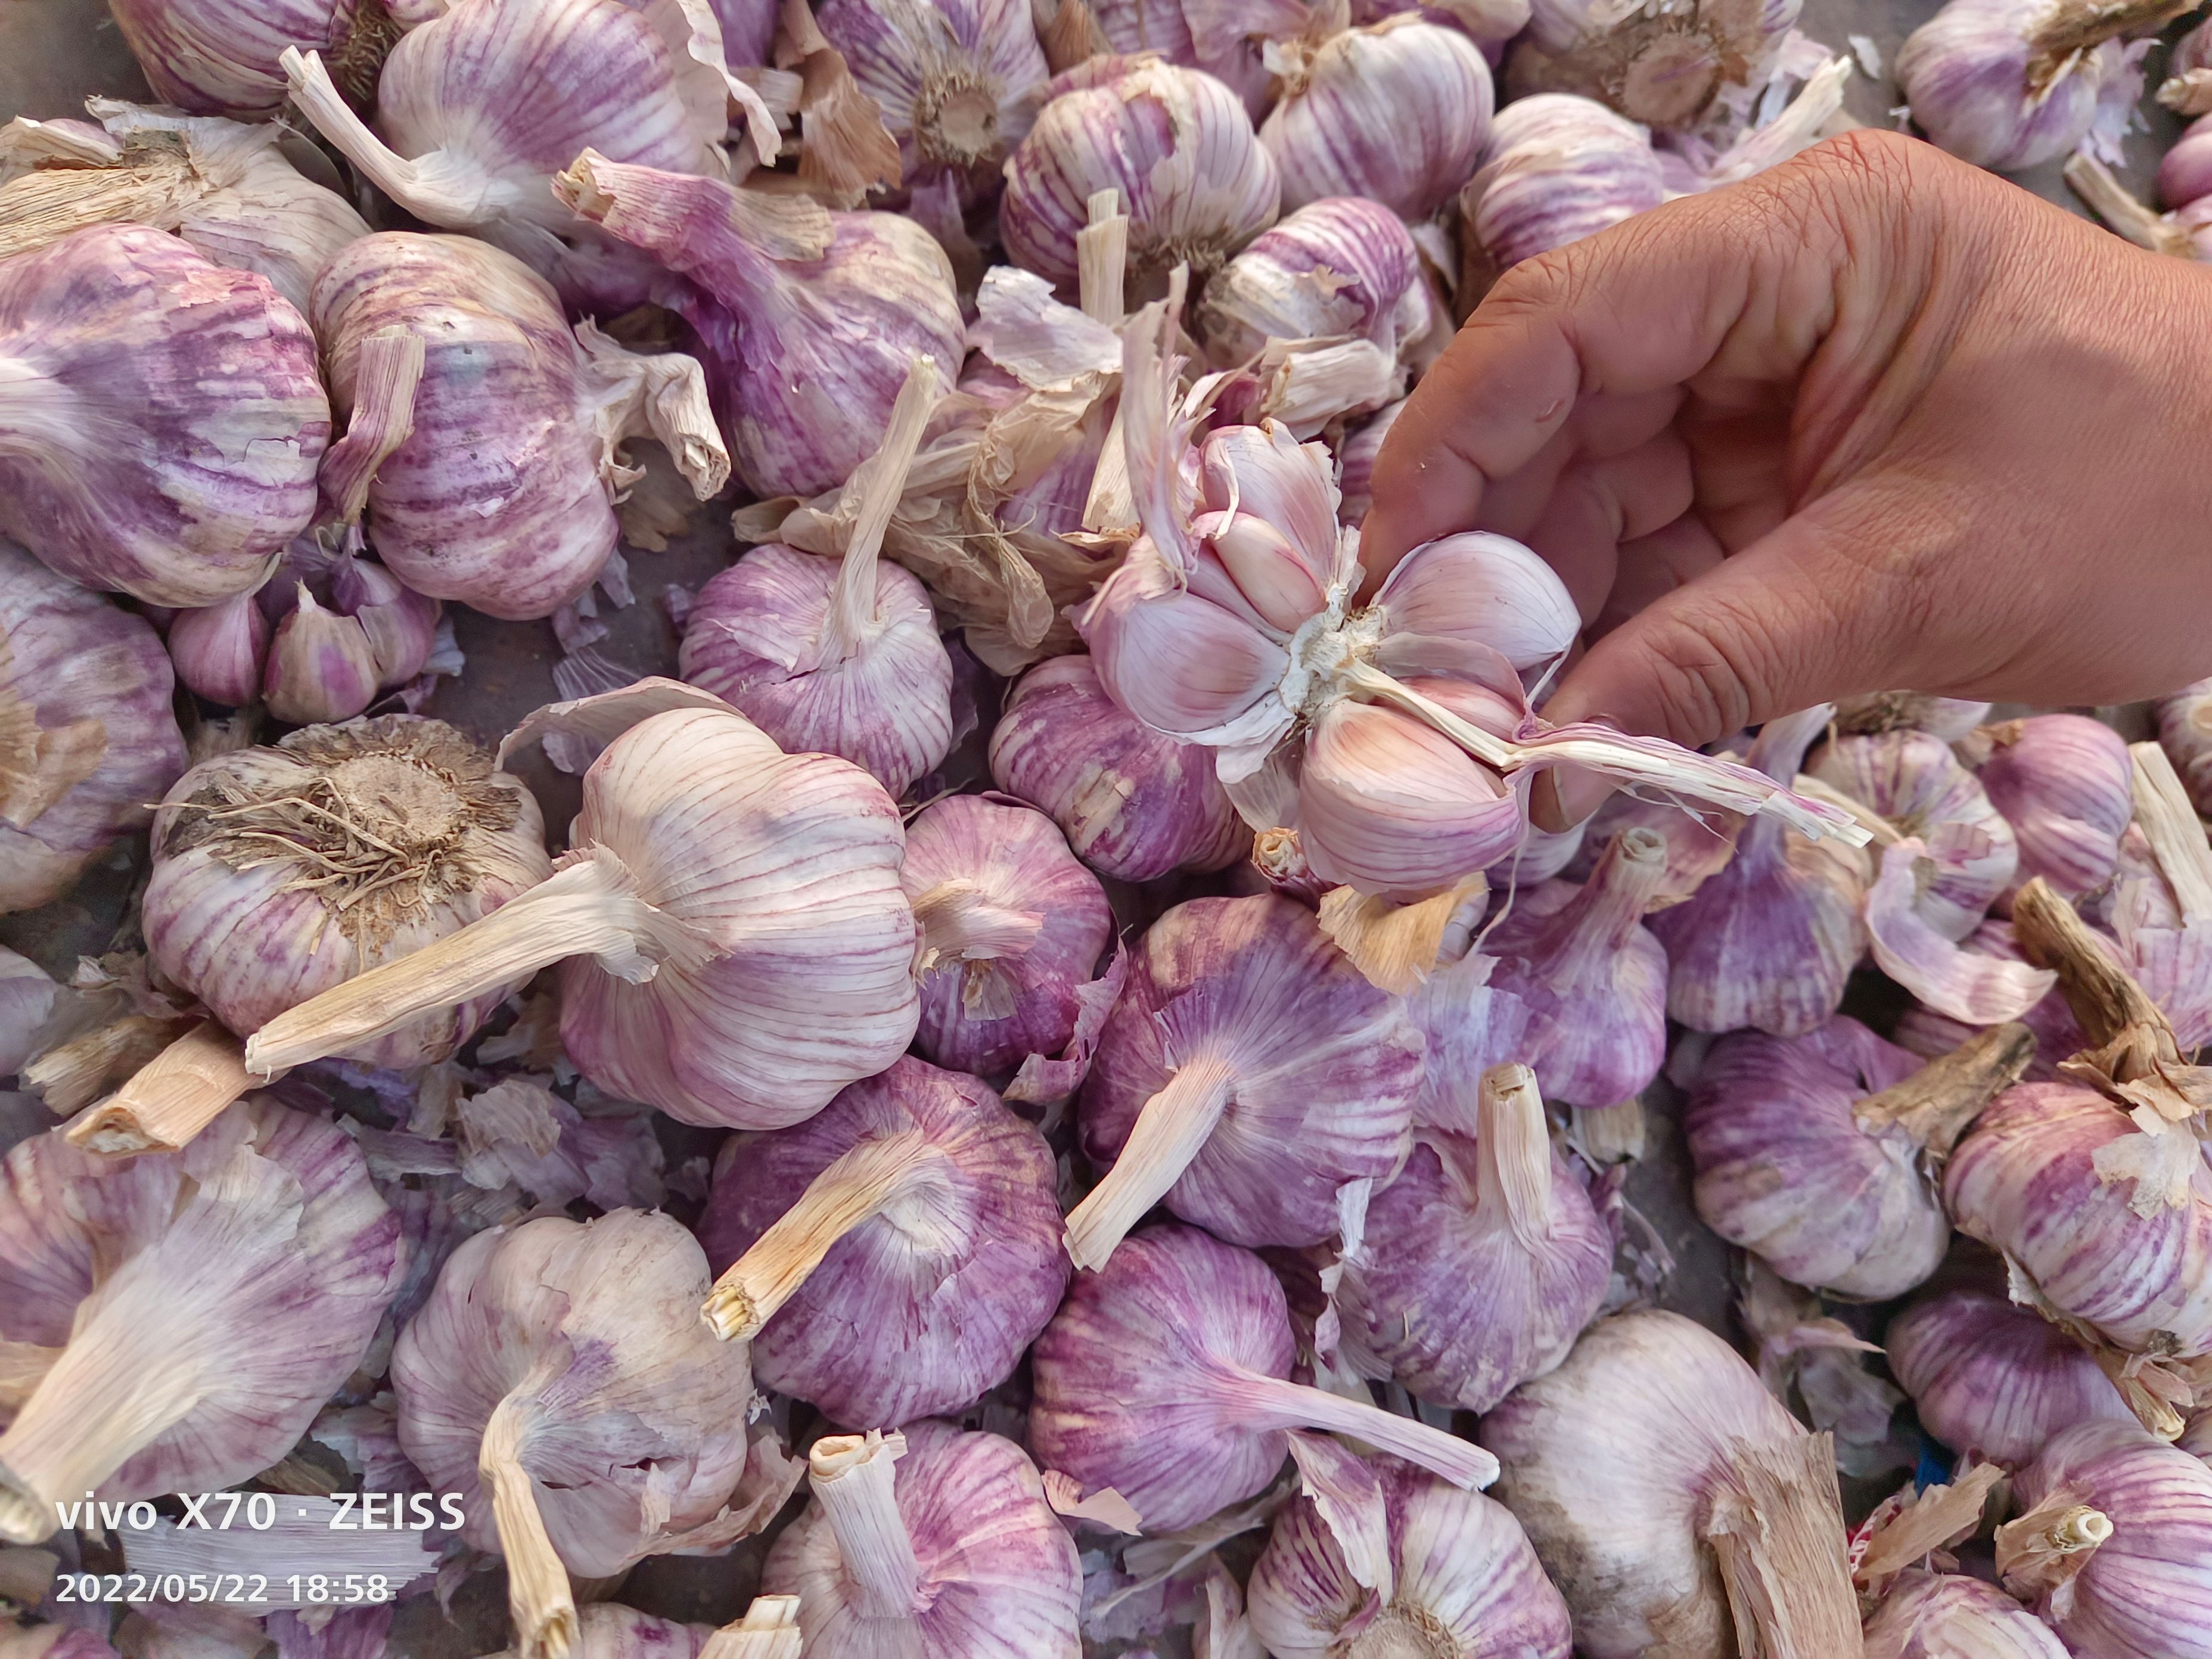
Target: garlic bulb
{"points": [[1011, 926], [321, 667], [837, 659], [281, 872], [809, 321], [1229, 43], [1912, 782], [1355, 459], [2009, 84], [219, 649], [402, 624], [219, 57], [1481, 1263], [163, 442], [1559, 167], [559, 1382], [1397, 111], [2185, 731], [27, 997], [489, 472], [2063, 782], [1994, 1379], [1420, 1567], [1164, 1377], [1195, 180], [1928, 1033], [1248, 1072], [1134, 804], [1662, 67], [1670, 1496], [1771, 939], [736, 947], [916, 1207], [209, 1299], [86, 734], [2110, 1543], [932, 1544], [1928, 1615], [1809, 1149]]}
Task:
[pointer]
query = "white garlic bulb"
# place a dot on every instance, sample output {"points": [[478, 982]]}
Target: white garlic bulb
{"points": [[1558, 168], [1659, 66], [2009, 84], [219, 57]]}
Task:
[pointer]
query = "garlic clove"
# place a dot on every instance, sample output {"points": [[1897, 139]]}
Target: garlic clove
{"points": [[1966, 985], [219, 650], [322, 668], [402, 625], [1484, 588], [1912, 782], [27, 996], [1182, 664], [1356, 458]]}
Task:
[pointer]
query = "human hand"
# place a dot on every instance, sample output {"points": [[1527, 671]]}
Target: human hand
{"points": [[1874, 419]]}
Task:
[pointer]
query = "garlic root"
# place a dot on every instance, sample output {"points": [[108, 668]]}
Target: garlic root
{"points": [[169, 1099], [537, 1592]]}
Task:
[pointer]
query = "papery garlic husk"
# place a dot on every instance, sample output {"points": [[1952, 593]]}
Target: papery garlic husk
{"points": [[1661, 68], [1912, 782], [2185, 731], [220, 57], [1926, 1615], [219, 650], [2063, 782], [321, 667], [808, 321], [1482, 1262], [2009, 84], [183, 1316], [28, 995], [1558, 168], [1397, 111], [402, 624], [281, 872], [1164, 1377], [1489, 23], [1249, 1071], [929, 1543], [1194, 178], [916, 1207], [88, 737], [225, 188], [747, 30], [1416, 1567], [161, 438], [1993, 1379], [1467, 1026], [1355, 459], [494, 471], [1669, 1496], [735, 946], [1947, 718], [1810, 1150], [1929, 1033], [1012, 927], [1229, 43], [2112, 1531]]}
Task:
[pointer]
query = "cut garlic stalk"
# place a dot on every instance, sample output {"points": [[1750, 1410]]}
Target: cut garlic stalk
{"points": [[168, 1100]]}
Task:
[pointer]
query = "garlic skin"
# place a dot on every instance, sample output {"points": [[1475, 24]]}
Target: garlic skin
{"points": [[1928, 1615], [1163, 1377], [321, 667], [1355, 459], [915, 1207], [748, 32], [212, 1298], [1397, 111], [1661, 68], [219, 57], [952, 1552], [1015, 926], [1994, 1379], [1625, 1462], [160, 417], [1195, 180], [27, 997], [219, 650], [1913, 782], [1459, 1578], [1559, 167], [1230, 47], [402, 624], [1134, 804], [2063, 782], [1248, 1072], [428, 836], [1975, 77], [1928, 1033], [2185, 731], [88, 735]]}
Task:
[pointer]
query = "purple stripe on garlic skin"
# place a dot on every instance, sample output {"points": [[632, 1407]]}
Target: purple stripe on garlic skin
{"points": [[1227, 39], [2062, 781], [1928, 1615], [219, 57], [89, 685], [2185, 731], [160, 417], [1164, 1377], [891, 1257], [1249, 1071], [2057, 1035], [747, 30], [1917, 785], [1965, 75], [1558, 168]]}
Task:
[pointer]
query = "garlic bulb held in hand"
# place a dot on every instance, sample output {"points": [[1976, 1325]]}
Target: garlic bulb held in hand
{"points": [[1559, 167], [2062, 781], [916, 1207], [1928, 1614], [88, 737], [220, 57], [160, 417], [206, 1301], [1994, 1379], [932, 1544], [1248, 1072], [1164, 1376], [2011, 84], [736, 947]]}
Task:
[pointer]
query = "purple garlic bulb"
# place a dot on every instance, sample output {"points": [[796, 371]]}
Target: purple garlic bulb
{"points": [[1134, 804], [163, 418], [211, 1299], [1662, 67], [220, 57], [809, 321], [2062, 781], [1481, 1263], [85, 693], [1927, 1615], [1397, 111], [2185, 731], [914, 1207], [1913, 782], [1356, 458], [1233, 54], [321, 668], [27, 997], [1995, 1379], [1558, 168], [1248, 1072], [929, 1543], [1164, 1376], [2009, 84], [219, 649], [1810, 1150], [488, 465], [1012, 925]]}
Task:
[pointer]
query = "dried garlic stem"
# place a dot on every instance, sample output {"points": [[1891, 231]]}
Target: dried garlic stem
{"points": [[870, 496], [169, 1099], [2050, 1544], [866, 1180], [770, 1630], [416, 185], [1513, 1154], [80, 1070], [1169, 1130], [83, 1420], [1260, 1403], [589, 908], [1102, 256], [853, 1481], [1936, 1103], [657, 395], [2106, 197], [1778, 1527], [383, 418], [960, 922], [2107, 1002], [538, 1593], [2174, 831], [23, 1366], [2070, 29]]}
